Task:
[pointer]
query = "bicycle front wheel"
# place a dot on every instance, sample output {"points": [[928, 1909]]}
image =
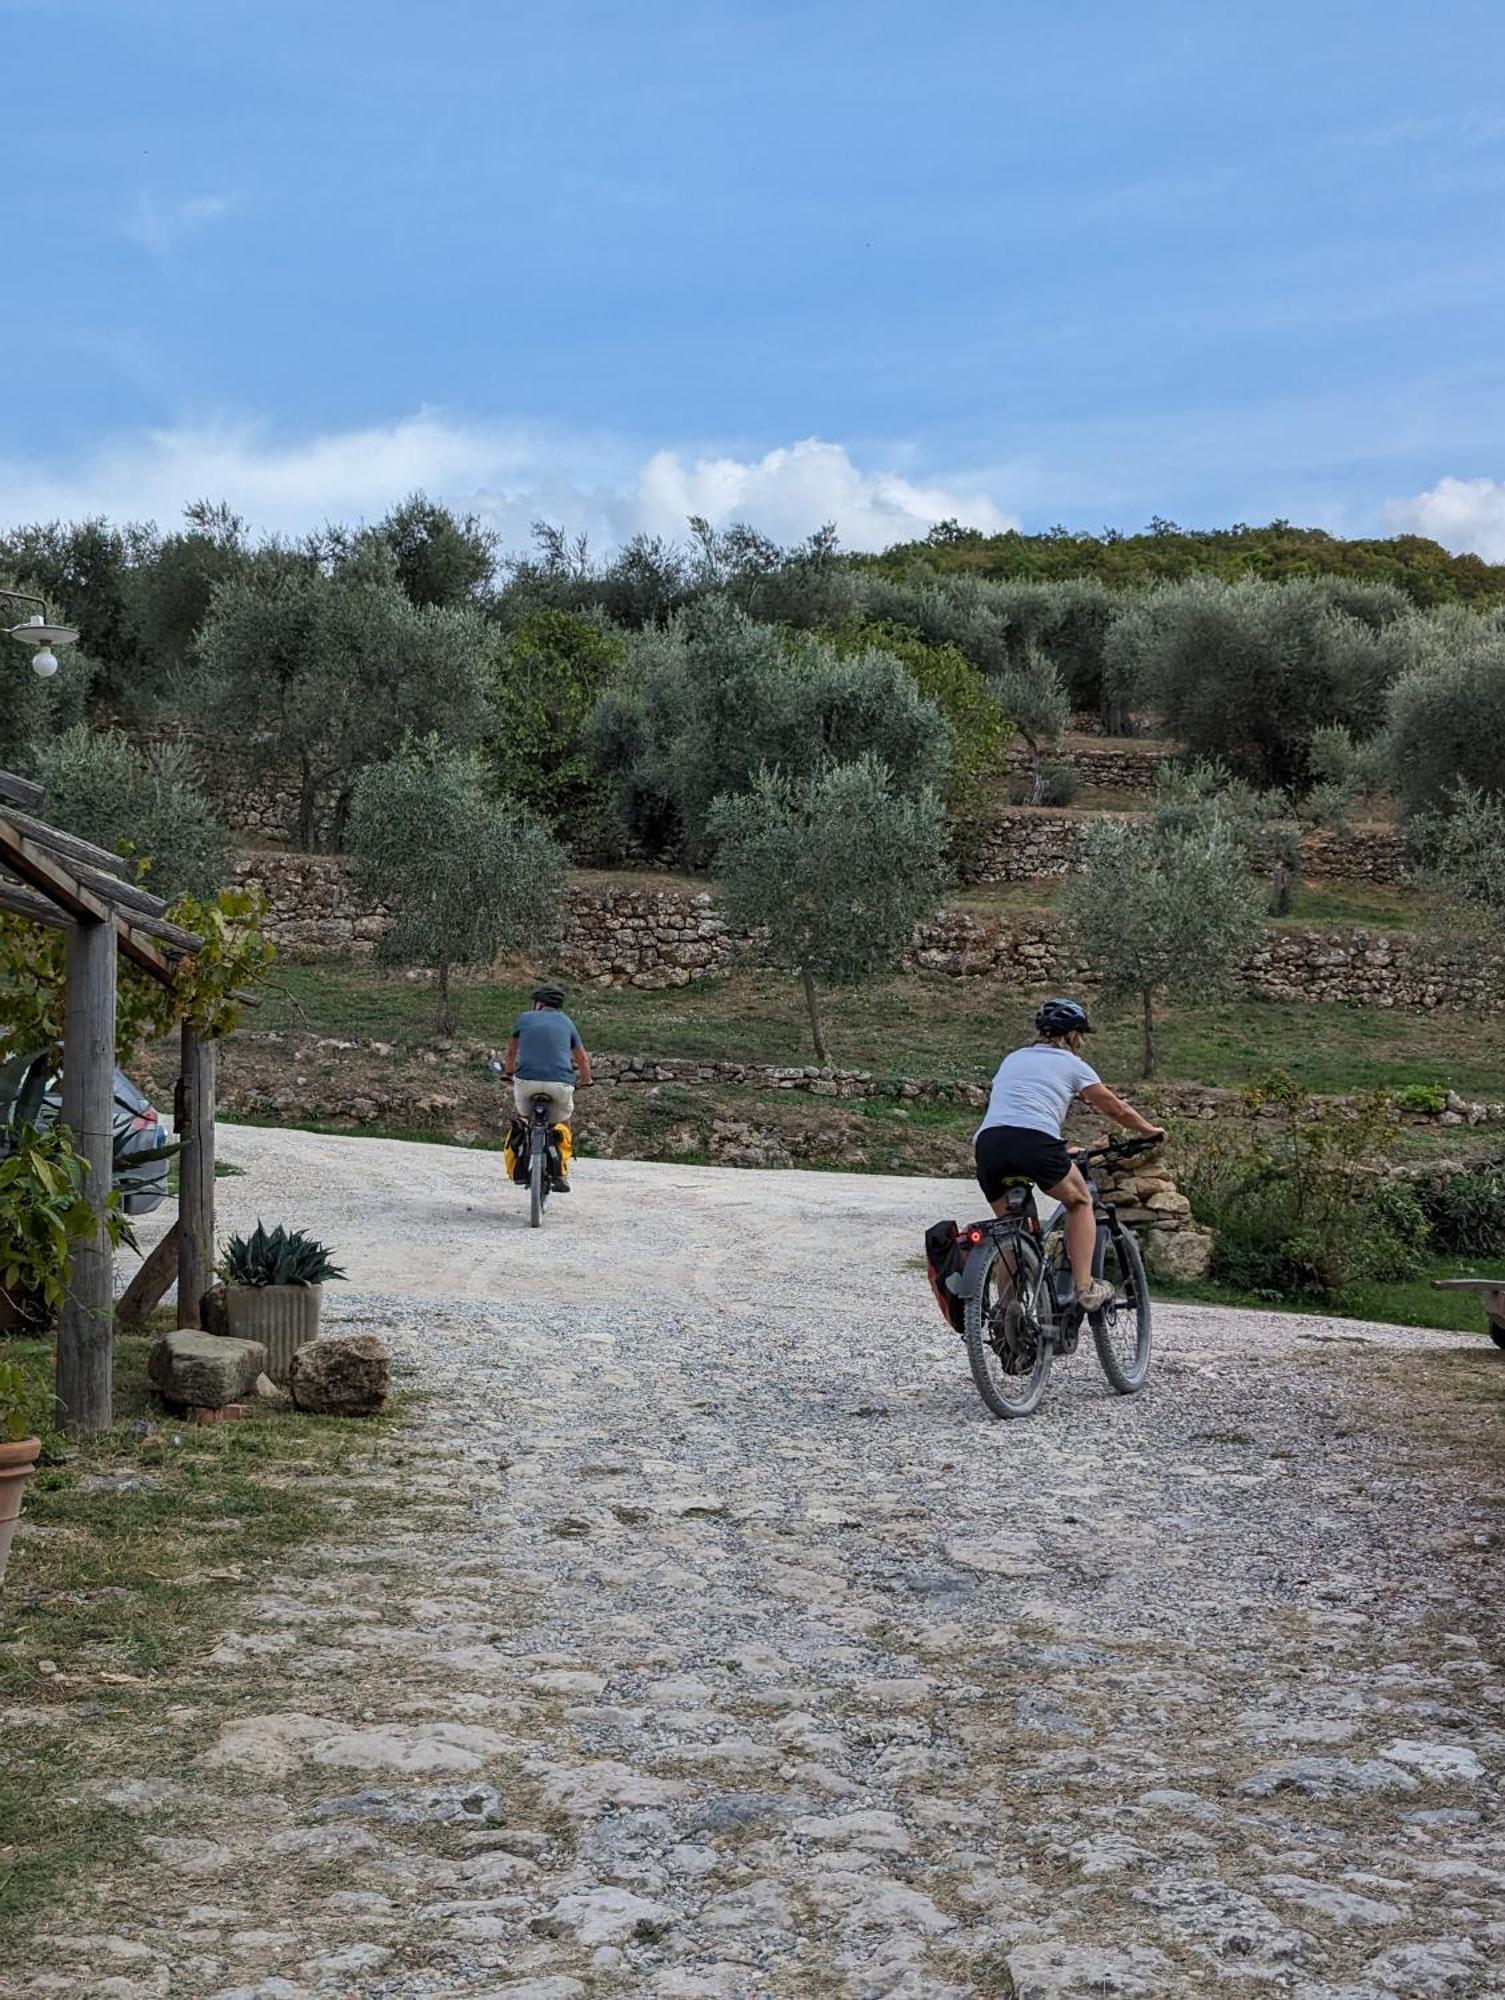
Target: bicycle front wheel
{"points": [[538, 1179], [1008, 1350], [1121, 1328]]}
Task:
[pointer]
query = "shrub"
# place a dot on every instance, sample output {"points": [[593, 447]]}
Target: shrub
{"points": [[43, 1213], [1055, 784], [1466, 1210], [549, 675], [1425, 1098], [1297, 1212], [279, 1256], [1447, 720]]}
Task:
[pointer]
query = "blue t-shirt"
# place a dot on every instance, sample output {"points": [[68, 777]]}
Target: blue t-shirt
{"points": [[545, 1038]]}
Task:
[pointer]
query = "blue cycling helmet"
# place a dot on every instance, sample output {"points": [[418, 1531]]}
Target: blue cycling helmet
{"points": [[1063, 1017]]}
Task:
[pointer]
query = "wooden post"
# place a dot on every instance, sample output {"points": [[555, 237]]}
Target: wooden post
{"points": [[86, 1334], [196, 1177], [151, 1283]]}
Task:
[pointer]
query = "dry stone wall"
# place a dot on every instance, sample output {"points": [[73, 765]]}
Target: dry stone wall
{"points": [[653, 938], [1038, 843]]}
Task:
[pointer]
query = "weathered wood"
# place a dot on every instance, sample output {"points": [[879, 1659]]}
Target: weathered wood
{"points": [[140, 949], [20, 791], [42, 870], [85, 1345], [31, 904], [67, 847], [152, 1282], [196, 1177]]}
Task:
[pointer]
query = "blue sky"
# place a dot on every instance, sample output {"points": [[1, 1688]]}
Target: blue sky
{"points": [[1072, 260]]}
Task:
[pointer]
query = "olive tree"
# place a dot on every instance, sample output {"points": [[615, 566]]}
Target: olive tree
{"points": [[465, 876], [1165, 902], [1447, 718], [1462, 852], [323, 674], [144, 805], [702, 704], [832, 868]]}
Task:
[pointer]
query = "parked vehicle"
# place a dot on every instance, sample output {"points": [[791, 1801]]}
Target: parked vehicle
{"points": [[31, 1094]]}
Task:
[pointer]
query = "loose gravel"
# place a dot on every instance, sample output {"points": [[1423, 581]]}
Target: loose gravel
{"points": [[728, 1648]]}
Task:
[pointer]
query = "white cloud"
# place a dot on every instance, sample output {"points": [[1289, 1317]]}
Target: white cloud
{"points": [[158, 227], [1462, 514], [511, 475]]}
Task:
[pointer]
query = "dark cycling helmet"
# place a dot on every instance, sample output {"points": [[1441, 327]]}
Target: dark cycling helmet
{"points": [[1063, 1017], [548, 996]]}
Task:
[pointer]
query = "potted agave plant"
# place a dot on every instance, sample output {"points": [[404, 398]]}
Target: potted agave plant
{"points": [[18, 1453], [273, 1280]]}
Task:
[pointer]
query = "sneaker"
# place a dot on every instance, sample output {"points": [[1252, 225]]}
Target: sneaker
{"points": [[559, 1186], [1094, 1296]]}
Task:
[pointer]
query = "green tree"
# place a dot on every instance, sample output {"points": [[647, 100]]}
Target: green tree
{"points": [[1462, 852], [143, 805], [1248, 672], [84, 569], [549, 675], [832, 868], [442, 558], [466, 877], [1447, 720], [325, 674], [32, 710], [980, 730], [1165, 903], [170, 590], [702, 704]]}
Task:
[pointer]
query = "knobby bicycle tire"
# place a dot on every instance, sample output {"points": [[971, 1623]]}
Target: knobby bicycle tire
{"points": [[978, 1325], [538, 1175], [1129, 1278]]}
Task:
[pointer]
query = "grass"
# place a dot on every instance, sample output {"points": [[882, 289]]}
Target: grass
{"points": [[1401, 1302], [135, 1547], [916, 1025]]}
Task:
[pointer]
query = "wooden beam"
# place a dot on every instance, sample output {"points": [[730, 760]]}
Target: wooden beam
{"points": [[134, 942], [151, 1283], [23, 857], [86, 1330], [69, 848], [24, 902], [20, 791], [196, 1177]]}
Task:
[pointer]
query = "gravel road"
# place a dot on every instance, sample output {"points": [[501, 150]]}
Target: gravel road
{"points": [[728, 1649]]}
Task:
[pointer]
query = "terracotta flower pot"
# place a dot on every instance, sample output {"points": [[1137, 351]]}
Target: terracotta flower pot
{"points": [[17, 1463], [282, 1317]]}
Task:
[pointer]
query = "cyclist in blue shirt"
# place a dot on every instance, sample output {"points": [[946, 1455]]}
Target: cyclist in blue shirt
{"points": [[546, 1058]]}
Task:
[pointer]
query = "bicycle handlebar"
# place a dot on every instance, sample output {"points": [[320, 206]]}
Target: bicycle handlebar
{"points": [[1116, 1149]]}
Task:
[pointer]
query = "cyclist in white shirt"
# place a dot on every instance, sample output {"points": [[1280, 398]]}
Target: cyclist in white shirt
{"points": [[1020, 1137]]}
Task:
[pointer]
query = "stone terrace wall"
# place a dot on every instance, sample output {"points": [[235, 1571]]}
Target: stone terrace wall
{"points": [[629, 936], [1038, 843], [1118, 763]]}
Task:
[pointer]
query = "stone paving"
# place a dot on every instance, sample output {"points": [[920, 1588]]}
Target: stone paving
{"points": [[726, 1649]]}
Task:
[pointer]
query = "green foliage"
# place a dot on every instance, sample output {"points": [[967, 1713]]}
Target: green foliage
{"points": [[1053, 784], [326, 673], [549, 675], [168, 596], [466, 876], [19, 1415], [442, 558], [704, 704], [84, 569], [1462, 851], [1465, 1209], [1425, 571], [1426, 1098], [33, 711], [1297, 1213], [832, 868], [1167, 903], [980, 731], [1248, 672], [279, 1257], [1447, 718], [43, 1213], [144, 806]]}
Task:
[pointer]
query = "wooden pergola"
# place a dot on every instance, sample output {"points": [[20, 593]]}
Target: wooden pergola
{"points": [[52, 878]]}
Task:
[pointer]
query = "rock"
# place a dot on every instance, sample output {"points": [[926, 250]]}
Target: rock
{"points": [[1328, 1777], [1183, 1256], [431, 1805], [1440, 1763], [214, 1315], [1338, 1906], [342, 1375], [604, 1916], [1435, 1971], [1047, 1971], [204, 1371], [277, 1744], [273, 1394]]}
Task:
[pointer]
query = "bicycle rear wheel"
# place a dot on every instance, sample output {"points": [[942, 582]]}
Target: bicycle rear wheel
{"points": [[1121, 1328], [538, 1173], [1008, 1351]]}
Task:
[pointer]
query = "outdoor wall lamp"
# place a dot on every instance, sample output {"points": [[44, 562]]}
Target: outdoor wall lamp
{"points": [[38, 632]]}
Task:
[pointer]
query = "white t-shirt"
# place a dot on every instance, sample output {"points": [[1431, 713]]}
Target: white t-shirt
{"points": [[1034, 1087]]}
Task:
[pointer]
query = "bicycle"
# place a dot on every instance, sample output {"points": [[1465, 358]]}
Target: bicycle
{"points": [[1020, 1309], [542, 1159]]}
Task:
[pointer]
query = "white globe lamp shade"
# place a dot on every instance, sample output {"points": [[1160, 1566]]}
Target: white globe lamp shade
{"points": [[36, 631], [45, 663]]}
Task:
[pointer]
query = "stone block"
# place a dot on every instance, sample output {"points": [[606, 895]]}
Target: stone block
{"points": [[1182, 1255], [204, 1370], [342, 1375]]}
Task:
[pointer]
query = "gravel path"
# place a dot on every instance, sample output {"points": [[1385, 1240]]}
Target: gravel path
{"points": [[729, 1650]]}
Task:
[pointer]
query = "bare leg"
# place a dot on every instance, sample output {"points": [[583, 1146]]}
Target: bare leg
{"points": [[1081, 1226]]}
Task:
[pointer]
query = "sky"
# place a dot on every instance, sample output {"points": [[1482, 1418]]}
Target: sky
{"points": [[1014, 261]]}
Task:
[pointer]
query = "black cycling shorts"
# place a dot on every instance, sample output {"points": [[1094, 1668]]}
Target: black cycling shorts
{"points": [[1007, 1152]]}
